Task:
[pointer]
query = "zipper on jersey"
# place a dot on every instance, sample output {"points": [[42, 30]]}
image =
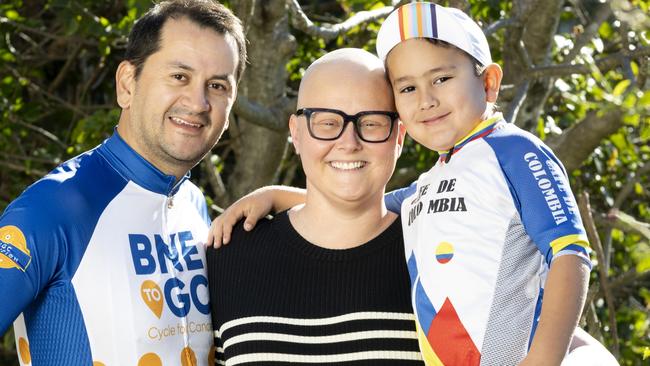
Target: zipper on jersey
{"points": [[168, 205], [170, 196]]}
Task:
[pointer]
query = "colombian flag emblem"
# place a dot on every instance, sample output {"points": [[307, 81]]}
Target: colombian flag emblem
{"points": [[444, 252]]}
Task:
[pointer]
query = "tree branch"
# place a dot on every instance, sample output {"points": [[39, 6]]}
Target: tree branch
{"points": [[37, 88], [214, 178], [605, 64], [274, 118], [23, 169], [628, 278], [40, 130], [578, 141], [299, 20], [601, 15], [627, 222], [632, 180], [594, 240]]}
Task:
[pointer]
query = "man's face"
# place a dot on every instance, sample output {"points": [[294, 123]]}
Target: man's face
{"points": [[177, 109], [346, 170]]}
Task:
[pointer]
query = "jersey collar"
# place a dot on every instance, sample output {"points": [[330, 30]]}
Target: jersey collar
{"points": [[134, 167], [481, 130]]}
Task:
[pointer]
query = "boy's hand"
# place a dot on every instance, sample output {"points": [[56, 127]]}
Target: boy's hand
{"points": [[253, 206]]}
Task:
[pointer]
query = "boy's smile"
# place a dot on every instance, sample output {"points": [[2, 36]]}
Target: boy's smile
{"points": [[438, 95]]}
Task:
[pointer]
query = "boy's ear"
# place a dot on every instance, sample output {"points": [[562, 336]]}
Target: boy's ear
{"points": [[125, 83], [492, 79], [293, 129]]}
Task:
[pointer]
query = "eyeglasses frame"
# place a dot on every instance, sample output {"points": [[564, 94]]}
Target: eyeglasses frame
{"points": [[346, 119]]}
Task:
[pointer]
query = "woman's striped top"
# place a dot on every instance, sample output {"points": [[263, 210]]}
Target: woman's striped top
{"points": [[278, 299]]}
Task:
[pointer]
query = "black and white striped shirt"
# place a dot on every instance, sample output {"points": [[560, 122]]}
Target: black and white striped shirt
{"points": [[278, 299]]}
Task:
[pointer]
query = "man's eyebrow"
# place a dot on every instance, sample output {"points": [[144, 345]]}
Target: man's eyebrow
{"points": [[428, 72], [183, 66]]}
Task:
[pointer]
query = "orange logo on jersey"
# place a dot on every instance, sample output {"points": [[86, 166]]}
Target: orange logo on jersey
{"points": [[188, 358], [150, 359], [23, 351], [152, 296], [13, 249]]}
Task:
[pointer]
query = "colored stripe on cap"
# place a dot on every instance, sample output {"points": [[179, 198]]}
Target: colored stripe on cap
{"points": [[417, 20], [400, 17], [414, 20], [418, 16], [433, 22]]}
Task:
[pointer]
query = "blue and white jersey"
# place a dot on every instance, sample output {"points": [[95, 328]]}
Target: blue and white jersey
{"points": [[481, 229], [102, 263]]}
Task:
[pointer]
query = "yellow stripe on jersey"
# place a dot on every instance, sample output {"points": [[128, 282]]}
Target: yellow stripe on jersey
{"points": [[564, 241], [428, 355]]}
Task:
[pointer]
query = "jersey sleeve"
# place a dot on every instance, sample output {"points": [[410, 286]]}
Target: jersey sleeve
{"points": [[540, 188], [28, 256], [394, 199]]}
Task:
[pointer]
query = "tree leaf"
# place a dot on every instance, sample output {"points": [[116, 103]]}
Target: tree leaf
{"points": [[621, 87]]}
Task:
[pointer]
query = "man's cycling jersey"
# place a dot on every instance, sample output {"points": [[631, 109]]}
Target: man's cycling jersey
{"points": [[481, 229], [102, 263]]}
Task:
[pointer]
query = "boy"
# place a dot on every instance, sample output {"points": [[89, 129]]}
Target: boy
{"points": [[492, 228]]}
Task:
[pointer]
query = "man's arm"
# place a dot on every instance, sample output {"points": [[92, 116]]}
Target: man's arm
{"points": [[564, 297]]}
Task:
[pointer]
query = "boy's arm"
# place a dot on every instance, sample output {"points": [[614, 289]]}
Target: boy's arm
{"points": [[253, 207], [394, 199], [564, 296]]}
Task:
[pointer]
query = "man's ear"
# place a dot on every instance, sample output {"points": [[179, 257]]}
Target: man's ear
{"points": [[125, 83], [293, 129], [492, 79]]}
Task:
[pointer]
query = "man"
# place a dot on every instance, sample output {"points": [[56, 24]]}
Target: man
{"points": [[101, 261], [325, 282]]}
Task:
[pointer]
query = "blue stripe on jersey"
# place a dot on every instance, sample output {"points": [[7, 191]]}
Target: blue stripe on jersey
{"points": [[135, 167], [424, 309], [538, 312], [538, 185], [394, 199]]}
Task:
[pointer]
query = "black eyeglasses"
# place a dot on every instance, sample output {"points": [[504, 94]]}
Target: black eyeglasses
{"points": [[329, 124]]}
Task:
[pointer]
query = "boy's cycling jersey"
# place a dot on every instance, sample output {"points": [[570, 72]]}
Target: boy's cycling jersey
{"points": [[102, 263], [481, 229]]}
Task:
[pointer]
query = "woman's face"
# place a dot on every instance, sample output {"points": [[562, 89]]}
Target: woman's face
{"points": [[346, 170]]}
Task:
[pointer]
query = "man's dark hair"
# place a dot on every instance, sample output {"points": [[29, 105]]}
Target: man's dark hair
{"points": [[144, 39]]}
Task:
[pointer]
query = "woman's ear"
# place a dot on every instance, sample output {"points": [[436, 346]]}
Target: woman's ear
{"points": [[125, 83], [293, 130], [492, 79]]}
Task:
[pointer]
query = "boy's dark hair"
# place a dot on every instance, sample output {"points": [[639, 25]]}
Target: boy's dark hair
{"points": [[144, 39], [478, 67]]}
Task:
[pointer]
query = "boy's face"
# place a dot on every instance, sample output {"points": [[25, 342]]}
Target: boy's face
{"points": [[437, 93]]}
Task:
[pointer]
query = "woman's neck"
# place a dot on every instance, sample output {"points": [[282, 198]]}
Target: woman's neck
{"points": [[340, 225]]}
